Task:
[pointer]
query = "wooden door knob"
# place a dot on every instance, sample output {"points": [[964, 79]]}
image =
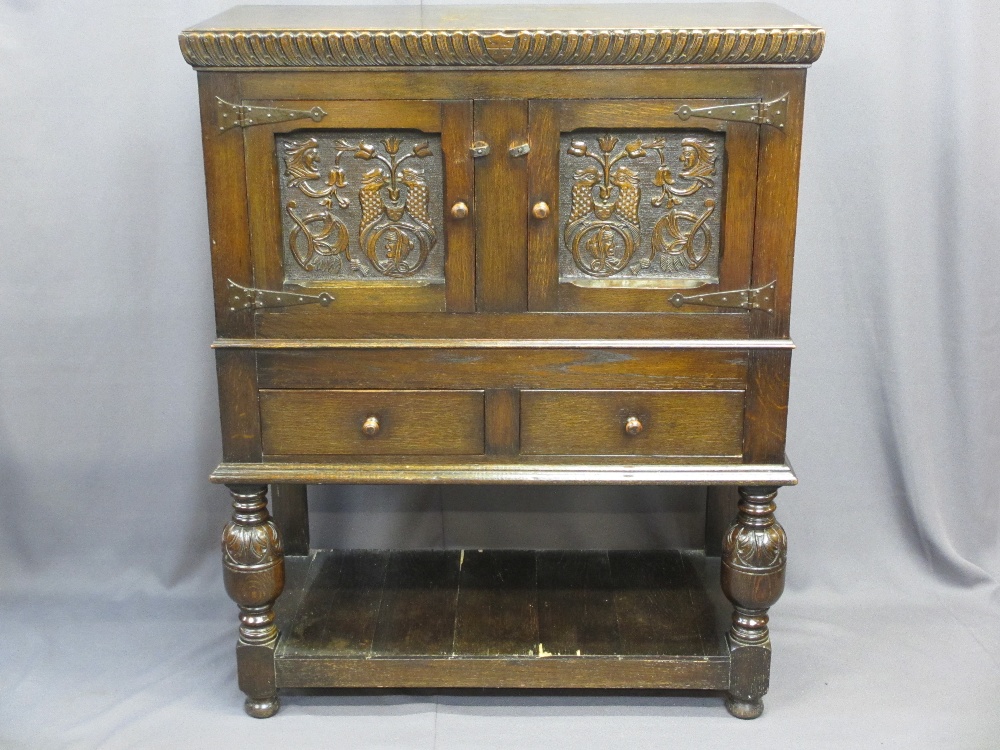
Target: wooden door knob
{"points": [[540, 210], [460, 210], [633, 426], [371, 426]]}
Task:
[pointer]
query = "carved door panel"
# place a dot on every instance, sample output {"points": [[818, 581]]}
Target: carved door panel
{"points": [[361, 206], [632, 206]]}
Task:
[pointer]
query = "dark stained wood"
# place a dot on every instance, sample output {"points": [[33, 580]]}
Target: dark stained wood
{"points": [[253, 572], [501, 218], [543, 185], [739, 207], [457, 382], [767, 406], [339, 612], [498, 368], [497, 604], [752, 578], [720, 510], [509, 84], [678, 672], [237, 375], [298, 568], [406, 422], [576, 607], [777, 203], [311, 322], [505, 469], [503, 422], [290, 510], [459, 184], [226, 187], [452, 120], [678, 423], [656, 614], [736, 245], [419, 601]]}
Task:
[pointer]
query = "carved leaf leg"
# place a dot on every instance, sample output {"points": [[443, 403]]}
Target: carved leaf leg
{"points": [[753, 577], [254, 573]]}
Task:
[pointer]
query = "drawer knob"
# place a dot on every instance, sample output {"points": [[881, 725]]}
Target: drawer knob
{"points": [[460, 210], [540, 210], [633, 426], [371, 426]]}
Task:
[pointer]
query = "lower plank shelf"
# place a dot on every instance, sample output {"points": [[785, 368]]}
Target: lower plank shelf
{"points": [[503, 619]]}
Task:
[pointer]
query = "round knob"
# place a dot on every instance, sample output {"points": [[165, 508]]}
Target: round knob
{"points": [[540, 210], [633, 426], [371, 426], [460, 210]]}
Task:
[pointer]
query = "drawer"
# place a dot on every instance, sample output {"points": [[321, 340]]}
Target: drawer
{"points": [[632, 423], [312, 422]]}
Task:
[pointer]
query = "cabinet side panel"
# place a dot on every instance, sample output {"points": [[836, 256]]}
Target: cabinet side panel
{"points": [[237, 372], [225, 181], [766, 411], [501, 216], [777, 202]]}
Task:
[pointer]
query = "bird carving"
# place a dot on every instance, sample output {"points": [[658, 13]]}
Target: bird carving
{"points": [[370, 197], [627, 205], [582, 194], [417, 195]]}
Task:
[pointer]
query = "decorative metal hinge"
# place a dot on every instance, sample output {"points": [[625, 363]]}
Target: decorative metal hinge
{"points": [[247, 298], [245, 115], [771, 113], [761, 298]]}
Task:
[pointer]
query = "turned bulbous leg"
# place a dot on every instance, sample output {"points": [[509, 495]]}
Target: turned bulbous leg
{"points": [[254, 573], [753, 577]]}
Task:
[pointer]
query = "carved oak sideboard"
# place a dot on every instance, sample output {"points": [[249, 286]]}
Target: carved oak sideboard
{"points": [[503, 245]]}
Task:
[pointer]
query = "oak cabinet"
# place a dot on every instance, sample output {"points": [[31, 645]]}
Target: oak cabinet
{"points": [[503, 245]]}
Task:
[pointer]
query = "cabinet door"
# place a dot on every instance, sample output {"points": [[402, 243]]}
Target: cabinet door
{"points": [[370, 205], [629, 204]]}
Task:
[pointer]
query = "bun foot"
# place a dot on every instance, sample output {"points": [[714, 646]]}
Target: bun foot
{"points": [[262, 708], [744, 709]]}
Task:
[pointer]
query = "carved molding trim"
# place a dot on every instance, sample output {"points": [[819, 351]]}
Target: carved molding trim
{"points": [[296, 49]]}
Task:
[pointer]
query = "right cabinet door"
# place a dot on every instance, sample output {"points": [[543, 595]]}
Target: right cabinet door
{"points": [[630, 205]]}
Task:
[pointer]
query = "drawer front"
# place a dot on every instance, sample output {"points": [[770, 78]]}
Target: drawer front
{"points": [[632, 423], [311, 422]]}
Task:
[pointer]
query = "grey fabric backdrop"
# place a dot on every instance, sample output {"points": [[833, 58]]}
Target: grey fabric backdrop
{"points": [[114, 629]]}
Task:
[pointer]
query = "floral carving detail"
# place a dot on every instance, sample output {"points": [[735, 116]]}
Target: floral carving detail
{"points": [[251, 546], [603, 227], [756, 548], [395, 217]]}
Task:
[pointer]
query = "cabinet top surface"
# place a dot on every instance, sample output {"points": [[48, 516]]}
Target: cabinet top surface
{"points": [[502, 35]]}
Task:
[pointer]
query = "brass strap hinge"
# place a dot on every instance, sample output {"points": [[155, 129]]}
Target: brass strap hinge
{"points": [[245, 115], [771, 113], [761, 298], [247, 298]]}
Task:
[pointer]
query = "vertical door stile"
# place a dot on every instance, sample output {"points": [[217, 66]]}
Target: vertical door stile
{"points": [[460, 261], [543, 186], [501, 213]]}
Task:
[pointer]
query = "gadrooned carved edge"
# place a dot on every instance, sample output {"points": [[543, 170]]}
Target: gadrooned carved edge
{"points": [[238, 49]]}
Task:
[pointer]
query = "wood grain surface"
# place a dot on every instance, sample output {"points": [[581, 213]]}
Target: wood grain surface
{"points": [[410, 422], [678, 423]]}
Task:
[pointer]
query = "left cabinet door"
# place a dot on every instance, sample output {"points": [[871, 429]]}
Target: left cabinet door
{"points": [[365, 205]]}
